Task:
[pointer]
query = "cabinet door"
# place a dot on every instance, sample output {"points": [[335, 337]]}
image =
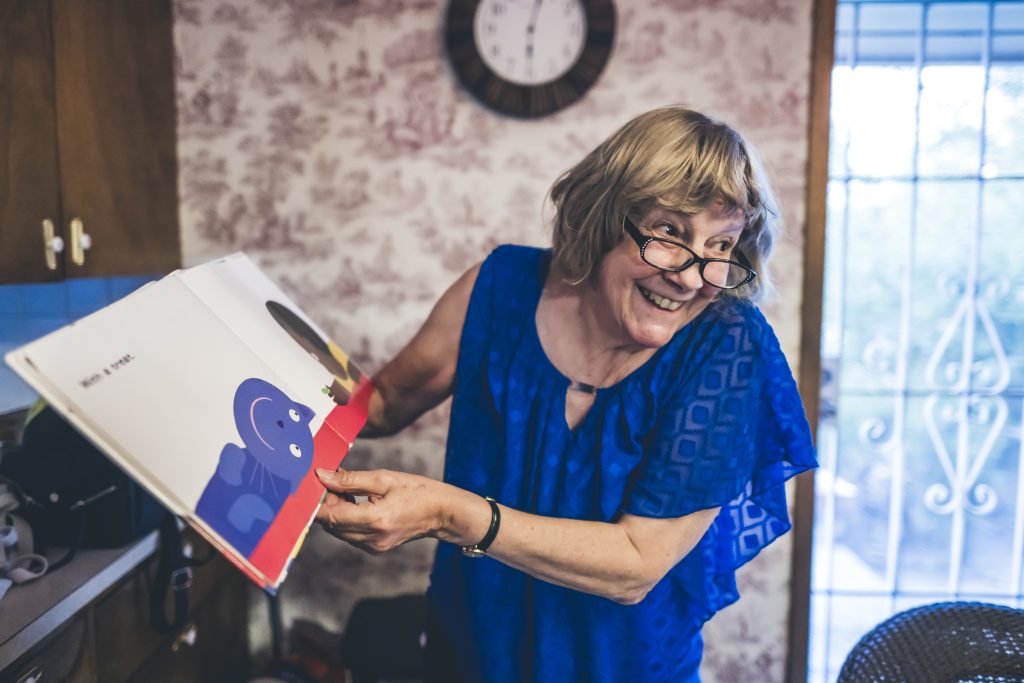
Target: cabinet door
{"points": [[29, 191], [211, 648], [68, 657], [124, 636], [116, 125]]}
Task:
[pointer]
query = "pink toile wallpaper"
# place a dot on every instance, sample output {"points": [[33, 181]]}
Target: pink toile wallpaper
{"points": [[329, 140]]}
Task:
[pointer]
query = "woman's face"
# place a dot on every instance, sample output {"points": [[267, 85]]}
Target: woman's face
{"points": [[642, 307]]}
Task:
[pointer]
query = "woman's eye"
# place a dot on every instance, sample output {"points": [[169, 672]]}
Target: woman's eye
{"points": [[665, 230], [724, 246]]}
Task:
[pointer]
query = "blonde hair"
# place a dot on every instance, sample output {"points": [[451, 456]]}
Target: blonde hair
{"points": [[673, 157]]}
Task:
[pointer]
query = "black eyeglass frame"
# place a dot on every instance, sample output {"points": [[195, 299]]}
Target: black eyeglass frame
{"points": [[643, 241]]}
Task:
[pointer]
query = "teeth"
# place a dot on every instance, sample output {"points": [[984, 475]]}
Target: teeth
{"points": [[660, 301]]}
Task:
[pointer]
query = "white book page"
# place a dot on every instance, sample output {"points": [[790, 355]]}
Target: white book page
{"points": [[238, 292], [151, 378]]}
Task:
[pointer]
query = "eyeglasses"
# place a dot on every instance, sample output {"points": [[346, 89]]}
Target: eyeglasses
{"points": [[674, 257]]}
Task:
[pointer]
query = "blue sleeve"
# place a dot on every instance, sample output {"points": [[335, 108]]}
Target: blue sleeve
{"points": [[730, 436]]}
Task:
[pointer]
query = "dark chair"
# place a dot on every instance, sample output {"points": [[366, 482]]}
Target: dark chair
{"points": [[384, 639], [946, 642]]}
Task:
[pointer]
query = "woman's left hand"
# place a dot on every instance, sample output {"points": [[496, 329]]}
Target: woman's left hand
{"points": [[399, 507]]}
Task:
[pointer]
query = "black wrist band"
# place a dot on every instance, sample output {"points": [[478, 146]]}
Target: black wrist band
{"points": [[480, 549]]}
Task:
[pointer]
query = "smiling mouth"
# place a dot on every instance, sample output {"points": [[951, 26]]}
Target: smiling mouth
{"points": [[660, 301]]}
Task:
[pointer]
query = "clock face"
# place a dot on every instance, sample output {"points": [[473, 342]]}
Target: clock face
{"points": [[529, 57], [529, 42]]}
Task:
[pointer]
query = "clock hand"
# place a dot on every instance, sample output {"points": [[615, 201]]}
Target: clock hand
{"points": [[531, 26], [532, 22]]}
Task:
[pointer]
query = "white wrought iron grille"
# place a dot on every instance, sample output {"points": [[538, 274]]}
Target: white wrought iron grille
{"points": [[920, 494]]}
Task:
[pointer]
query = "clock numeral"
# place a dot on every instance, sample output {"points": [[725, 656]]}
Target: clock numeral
{"points": [[497, 9], [495, 50], [492, 27]]}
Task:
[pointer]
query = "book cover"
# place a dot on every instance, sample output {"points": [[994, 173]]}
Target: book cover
{"points": [[215, 392]]}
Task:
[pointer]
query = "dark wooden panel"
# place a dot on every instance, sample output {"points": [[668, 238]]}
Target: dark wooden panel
{"points": [[68, 656], [124, 636], [116, 125], [822, 52], [217, 652], [29, 190]]}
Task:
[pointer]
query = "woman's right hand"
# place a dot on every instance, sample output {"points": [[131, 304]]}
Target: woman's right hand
{"points": [[399, 508]]}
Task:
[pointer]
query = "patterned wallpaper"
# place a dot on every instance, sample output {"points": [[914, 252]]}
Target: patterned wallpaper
{"points": [[329, 140]]}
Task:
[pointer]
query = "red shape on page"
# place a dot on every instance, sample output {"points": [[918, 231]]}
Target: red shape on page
{"points": [[330, 446]]}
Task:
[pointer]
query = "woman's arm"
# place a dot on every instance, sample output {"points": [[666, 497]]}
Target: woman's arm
{"points": [[421, 375], [621, 561]]}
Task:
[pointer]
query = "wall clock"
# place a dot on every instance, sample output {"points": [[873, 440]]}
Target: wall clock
{"points": [[529, 57]]}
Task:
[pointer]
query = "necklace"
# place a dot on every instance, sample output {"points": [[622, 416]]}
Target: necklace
{"points": [[583, 387]]}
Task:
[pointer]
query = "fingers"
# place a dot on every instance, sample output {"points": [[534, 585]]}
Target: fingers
{"points": [[359, 483], [388, 514], [342, 512], [334, 498], [358, 525]]}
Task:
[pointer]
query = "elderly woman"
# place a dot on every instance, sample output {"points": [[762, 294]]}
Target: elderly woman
{"points": [[622, 425]]}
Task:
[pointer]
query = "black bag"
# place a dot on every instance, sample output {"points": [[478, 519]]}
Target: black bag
{"points": [[74, 496], [384, 638]]}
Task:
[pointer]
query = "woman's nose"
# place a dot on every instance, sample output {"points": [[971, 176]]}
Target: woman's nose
{"points": [[689, 278]]}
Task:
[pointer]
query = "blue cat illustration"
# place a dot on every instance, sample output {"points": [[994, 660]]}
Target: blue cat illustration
{"points": [[253, 481]]}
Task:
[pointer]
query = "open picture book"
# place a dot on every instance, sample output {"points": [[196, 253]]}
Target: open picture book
{"points": [[219, 396]]}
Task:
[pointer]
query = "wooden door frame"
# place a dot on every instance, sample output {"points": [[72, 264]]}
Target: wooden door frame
{"points": [[822, 57]]}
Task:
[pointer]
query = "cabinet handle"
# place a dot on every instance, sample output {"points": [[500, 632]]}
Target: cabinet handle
{"points": [[186, 638], [53, 244], [80, 242]]}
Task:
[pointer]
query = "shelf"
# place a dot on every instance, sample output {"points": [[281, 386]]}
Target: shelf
{"points": [[32, 611]]}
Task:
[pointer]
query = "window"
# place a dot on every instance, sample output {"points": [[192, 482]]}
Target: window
{"points": [[920, 494]]}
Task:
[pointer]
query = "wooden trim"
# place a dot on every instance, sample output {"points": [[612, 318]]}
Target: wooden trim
{"points": [[824, 22]]}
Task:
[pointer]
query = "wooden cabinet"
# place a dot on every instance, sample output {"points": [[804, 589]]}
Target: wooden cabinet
{"points": [[87, 138], [111, 640], [69, 657], [203, 651], [125, 641]]}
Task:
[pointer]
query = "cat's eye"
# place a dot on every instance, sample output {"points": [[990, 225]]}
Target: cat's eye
{"points": [[294, 415], [296, 451]]}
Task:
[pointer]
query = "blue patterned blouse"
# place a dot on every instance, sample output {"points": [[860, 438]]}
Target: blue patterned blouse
{"points": [[711, 419]]}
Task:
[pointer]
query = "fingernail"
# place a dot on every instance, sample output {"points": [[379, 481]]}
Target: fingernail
{"points": [[322, 473]]}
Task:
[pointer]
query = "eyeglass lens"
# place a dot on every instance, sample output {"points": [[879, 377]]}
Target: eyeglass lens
{"points": [[672, 257]]}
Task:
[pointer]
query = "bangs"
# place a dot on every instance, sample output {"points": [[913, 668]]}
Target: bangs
{"points": [[715, 169]]}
